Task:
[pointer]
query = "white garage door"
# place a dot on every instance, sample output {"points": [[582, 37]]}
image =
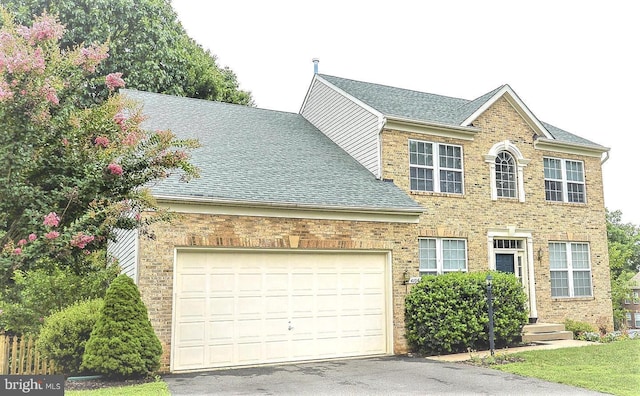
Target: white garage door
{"points": [[246, 308]]}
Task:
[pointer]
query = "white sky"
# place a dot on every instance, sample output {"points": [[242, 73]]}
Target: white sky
{"points": [[575, 64]]}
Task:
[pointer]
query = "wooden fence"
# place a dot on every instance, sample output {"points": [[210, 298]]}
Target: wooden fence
{"points": [[19, 356]]}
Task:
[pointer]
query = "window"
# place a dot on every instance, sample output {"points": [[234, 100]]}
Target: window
{"points": [[570, 269], [629, 321], [505, 175], [564, 180], [438, 255], [636, 297], [435, 167], [637, 316]]}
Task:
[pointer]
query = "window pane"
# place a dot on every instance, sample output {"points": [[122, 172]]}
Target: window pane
{"points": [[427, 249], [574, 171], [421, 179], [454, 254], [557, 256], [553, 190], [581, 283], [559, 284], [575, 192], [450, 157], [451, 182], [552, 168], [505, 175], [637, 315], [580, 256]]}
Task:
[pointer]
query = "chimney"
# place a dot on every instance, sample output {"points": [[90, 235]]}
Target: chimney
{"points": [[315, 65]]}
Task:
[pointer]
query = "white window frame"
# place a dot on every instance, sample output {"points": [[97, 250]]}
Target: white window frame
{"points": [[564, 181], [570, 270], [629, 318], [520, 163], [439, 243], [436, 168], [512, 171], [637, 319]]}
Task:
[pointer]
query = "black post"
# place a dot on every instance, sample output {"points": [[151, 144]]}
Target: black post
{"points": [[490, 303]]}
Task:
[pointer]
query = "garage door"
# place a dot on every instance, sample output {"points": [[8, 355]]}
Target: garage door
{"points": [[258, 307]]}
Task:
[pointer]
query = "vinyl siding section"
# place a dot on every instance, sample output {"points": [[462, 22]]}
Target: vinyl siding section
{"points": [[350, 125], [125, 251]]}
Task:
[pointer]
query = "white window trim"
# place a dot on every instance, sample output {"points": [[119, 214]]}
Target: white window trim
{"points": [[436, 165], [569, 270], [439, 256], [521, 163], [565, 182]]}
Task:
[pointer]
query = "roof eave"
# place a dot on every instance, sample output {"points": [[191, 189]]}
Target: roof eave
{"points": [[457, 131], [570, 148], [286, 205]]}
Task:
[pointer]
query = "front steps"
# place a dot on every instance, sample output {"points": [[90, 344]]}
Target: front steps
{"points": [[540, 332]]}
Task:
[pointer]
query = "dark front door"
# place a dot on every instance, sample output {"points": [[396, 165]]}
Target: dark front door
{"points": [[505, 263]]}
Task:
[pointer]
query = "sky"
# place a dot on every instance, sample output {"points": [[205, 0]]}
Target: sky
{"points": [[575, 64]]}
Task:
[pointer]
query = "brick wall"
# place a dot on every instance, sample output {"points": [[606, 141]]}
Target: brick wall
{"points": [[157, 255], [472, 214]]}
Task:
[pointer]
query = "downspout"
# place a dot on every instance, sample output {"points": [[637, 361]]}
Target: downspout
{"points": [[382, 121], [606, 157]]}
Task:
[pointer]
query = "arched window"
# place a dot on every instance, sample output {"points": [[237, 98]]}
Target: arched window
{"points": [[506, 175], [506, 164]]}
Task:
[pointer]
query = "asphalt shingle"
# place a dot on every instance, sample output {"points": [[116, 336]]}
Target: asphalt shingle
{"points": [[264, 156]]}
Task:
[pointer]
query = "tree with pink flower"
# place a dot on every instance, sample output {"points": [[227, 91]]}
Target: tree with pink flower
{"points": [[70, 172]]}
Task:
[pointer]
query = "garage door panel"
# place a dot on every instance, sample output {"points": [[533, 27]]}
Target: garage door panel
{"points": [[265, 307]]}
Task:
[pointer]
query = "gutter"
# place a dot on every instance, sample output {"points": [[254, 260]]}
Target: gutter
{"points": [[551, 143], [280, 205], [437, 125]]}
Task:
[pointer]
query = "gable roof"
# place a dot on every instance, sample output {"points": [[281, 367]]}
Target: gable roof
{"points": [[431, 108], [256, 156]]}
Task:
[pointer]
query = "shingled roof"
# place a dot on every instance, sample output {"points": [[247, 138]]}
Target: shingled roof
{"points": [[252, 155], [426, 107]]}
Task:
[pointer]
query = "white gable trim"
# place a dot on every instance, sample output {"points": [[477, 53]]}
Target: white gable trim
{"points": [[519, 107]]}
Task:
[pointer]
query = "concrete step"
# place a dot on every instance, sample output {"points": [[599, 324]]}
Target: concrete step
{"points": [[545, 332], [552, 336], [543, 327]]}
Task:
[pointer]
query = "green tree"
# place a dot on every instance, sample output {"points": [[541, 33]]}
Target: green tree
{"points": [[122, 343], [70, 173], [147, 44], [624, 261]]}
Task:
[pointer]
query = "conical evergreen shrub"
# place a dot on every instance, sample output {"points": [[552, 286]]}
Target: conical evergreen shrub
{"points": [[123, 343]]}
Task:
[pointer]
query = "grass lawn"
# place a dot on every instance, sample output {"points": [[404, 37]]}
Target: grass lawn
{"points": [[158, 388], [611, 368]]}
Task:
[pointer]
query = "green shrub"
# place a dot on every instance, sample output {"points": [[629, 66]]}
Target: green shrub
{"points": [[36, 294], [122, 344], [65, 333], [578, 328], [449, 313]]}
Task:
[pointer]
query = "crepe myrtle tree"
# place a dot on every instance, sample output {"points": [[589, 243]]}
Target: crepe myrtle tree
{"points": [[70, 173]]}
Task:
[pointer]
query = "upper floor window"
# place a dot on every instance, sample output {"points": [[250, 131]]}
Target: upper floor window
{"points": [[506, 166], [439, 255], [435, 167], [506, 175], [564, 180], [570, 267]]}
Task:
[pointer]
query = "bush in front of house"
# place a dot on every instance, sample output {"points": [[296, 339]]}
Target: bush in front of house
{"points": [[449, 313], [578, 328], [123, 343], [65, 333]]}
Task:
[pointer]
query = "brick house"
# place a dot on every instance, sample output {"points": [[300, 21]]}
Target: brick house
{"points": [[632, 303], [296, 242]]}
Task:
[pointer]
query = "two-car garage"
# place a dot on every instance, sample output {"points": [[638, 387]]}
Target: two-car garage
{"points": [[251, 307]]}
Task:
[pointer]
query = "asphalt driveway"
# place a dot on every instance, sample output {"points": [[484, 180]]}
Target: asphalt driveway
{"points": [[393, 375]]}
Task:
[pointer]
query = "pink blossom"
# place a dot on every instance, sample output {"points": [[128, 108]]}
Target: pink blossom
{"points": [[51, 220], [81, 240], [52, 235], [102, 141], [17, 251], [138, 217], [114, 80], [45, 27], [131, 139], [5, 91], [115, 169], [50, 94], [32, 237], [22, 242], [90, 57], [65, 142]]}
